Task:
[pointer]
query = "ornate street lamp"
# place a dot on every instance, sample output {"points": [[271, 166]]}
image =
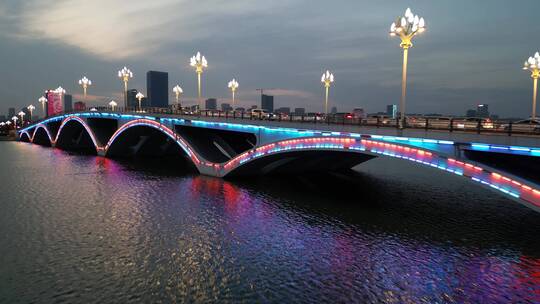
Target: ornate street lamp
{"points": [[533, 65], [8, 123], [60, 91], [113, 104], [85, 83], [233, 85], [125, 75], [406, 28], [199, 63], [21, 114], [14, 118], [31, 109], [178, 91], [139, 97], [327, 79], [43, 100]]}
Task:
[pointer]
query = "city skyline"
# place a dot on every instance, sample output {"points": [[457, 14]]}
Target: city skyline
{"points": [[459, 62]]}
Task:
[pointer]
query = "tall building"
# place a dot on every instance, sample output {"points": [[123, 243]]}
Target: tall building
{"points": [[210, 104], [471, 113], [299, 111], [333, 110], [11, 112], [68, 103], [359, 113], [267, 102], [226, 107], [157, 89], [482, 110], [391, 111], [131, 99]]}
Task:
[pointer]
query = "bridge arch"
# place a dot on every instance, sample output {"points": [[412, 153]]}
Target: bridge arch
{"points": [[74, 134], [267, 158], [25, 137], [42, 136], [146, 136]]}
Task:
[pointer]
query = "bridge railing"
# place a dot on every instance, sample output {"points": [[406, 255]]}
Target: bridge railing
{"points": [[450, 124]]}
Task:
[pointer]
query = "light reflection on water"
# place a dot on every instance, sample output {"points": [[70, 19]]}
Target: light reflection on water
{"points": [[89, 229]]}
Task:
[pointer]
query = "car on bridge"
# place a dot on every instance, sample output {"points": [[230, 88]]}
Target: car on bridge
{"points": [[260, 113], [470, 123]]}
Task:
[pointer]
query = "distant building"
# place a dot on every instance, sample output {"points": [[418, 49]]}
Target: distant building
{"points": [[471, 113], [68, 103], [157, 89], [131, 99], [11, 112], [359, 113], [79, 106], [391, 111], [210, 104], [284, 110], [299, 111], [3, 118], [240, 109], [482, 110], [333, 110], [267, 102], [226, 107]]}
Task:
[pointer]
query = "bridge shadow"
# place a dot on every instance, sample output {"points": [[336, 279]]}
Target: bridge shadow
{"points": [[472, 217]]}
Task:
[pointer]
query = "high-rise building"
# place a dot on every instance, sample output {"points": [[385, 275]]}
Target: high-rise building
{"points": [[68, 103], [3, 118], [391, 111], [226, 107], [131, 99], [482, 110], [11, 112], [471, 113], [333, 110], [210, 104], [267, 102], [157, 89], [299, 111]]}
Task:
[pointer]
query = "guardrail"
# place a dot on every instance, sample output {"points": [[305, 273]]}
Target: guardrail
{"points": [[420, 123]]}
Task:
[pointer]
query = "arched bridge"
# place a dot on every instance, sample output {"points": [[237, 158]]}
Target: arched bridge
{"points": [[224, 149]]}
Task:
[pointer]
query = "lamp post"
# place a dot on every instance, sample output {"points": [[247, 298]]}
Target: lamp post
{"points": [[8, 123], [533, 65], [406, 28], [125, 75], [21, 114], [233, 85], [31, 109], [85, 83], [139, 96], [43, 100], [113, 104], [178, 91], [199, 63], [327, 79], [14, 118]]}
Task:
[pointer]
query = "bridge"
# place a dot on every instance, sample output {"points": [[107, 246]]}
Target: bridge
{"points": [[224, 147]]}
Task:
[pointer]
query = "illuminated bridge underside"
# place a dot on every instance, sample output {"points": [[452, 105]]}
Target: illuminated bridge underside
{"points": [[281, 151]]}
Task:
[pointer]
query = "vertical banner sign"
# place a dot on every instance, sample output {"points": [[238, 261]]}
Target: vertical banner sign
{"points": [[54, 103]]}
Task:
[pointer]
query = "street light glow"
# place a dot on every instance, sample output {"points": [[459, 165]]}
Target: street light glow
{"points": [[85, 83], [113, 104], [31, 109], [233, 85], [125, 75], [139, 96], [327, 79], [177, 90], [406, 27], [199, 63], [533, 65]]}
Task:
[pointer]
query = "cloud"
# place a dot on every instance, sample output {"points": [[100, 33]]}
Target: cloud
{"points": [[116, 29]]}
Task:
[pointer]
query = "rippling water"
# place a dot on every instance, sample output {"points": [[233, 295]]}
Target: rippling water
{"points": [[88, 229]]}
